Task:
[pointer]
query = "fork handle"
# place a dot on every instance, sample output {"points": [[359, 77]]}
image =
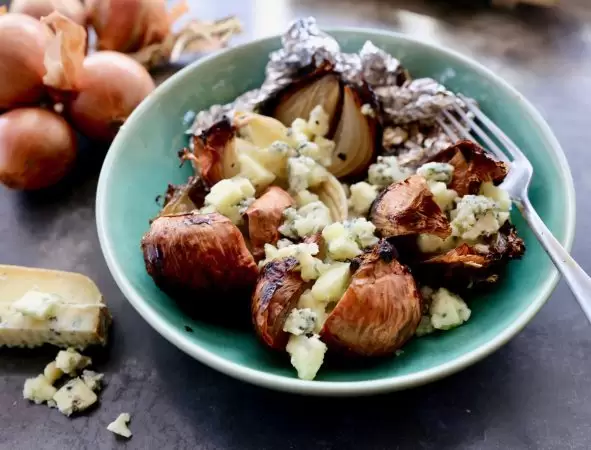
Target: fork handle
{"points": [[578, 281]]}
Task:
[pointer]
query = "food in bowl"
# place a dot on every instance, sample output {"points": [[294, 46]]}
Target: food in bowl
{"points": [[331, 198]]}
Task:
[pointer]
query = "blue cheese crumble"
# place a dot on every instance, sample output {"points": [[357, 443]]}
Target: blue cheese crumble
{"points": [[307, 355], [300, 321], [230, 197], [436, 171], [446, 311], [346, 240], [36, 304], [386, 171], [303, 173], [362, 196], [305, 221], [475, 216], [309, 266]]}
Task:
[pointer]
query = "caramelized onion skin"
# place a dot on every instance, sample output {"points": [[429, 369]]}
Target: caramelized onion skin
{"points": [[37, 148], [22, 49], [113, 85]]}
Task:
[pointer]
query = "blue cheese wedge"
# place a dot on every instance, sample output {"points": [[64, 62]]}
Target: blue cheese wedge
{"points": [[74, 396], [39, 306], [119, 425]]}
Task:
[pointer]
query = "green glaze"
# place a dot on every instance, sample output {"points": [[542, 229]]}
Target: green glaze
{"points": [[142, 161]]}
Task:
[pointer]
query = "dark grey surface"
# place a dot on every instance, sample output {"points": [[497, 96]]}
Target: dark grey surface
{"points": [[532, 394]]}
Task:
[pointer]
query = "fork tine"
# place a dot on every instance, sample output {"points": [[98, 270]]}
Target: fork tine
{"points": [[465, 133], [446, 129], [498, 133], [492, 147]]}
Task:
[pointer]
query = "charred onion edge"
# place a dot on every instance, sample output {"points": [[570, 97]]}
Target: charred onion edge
{"points": [[419, 215], [278, 289], [210, 149]]}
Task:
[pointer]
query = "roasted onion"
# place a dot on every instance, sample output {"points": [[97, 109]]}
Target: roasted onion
{"points": [[264, 216], [408, 208], [37, 148], [277, 292], [72, 9], [191, 254], [379, 311], [22, 47], [112, 86]]}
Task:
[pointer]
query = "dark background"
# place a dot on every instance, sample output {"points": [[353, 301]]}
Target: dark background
{"points": [[532, 394]]}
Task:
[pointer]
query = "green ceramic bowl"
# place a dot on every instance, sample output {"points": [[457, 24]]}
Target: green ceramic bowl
{"points": [[142, 160]]}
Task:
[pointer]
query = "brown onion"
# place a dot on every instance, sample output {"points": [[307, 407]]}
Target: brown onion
{"points": [[22, 47], [129, 25], [113, 84], [72, 9], [37, 148]]}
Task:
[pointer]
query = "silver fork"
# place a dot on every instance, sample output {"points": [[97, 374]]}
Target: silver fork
{"points": [[516, 184]]}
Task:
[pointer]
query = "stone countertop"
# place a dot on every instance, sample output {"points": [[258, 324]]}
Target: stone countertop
{"points": [[532, 394]]}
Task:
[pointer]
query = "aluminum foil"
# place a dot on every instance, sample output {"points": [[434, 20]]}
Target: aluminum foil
{"points": [[305, 46]]}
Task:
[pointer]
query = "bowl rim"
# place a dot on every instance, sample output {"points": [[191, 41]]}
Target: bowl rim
{"points": [[319, 387]]}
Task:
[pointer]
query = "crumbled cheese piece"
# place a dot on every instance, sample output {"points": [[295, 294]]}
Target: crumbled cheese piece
{"points": [[310, 267], [305, 221], [425, 327], [447, 310], [394, 136], [119, 425], [301, 130], [308, 301], [367, 110], [386, 171], [52, 373], [346, 240], [274, 157], [443, 196], [475, 216], [307, 355], [500, 196], [429, 243], [436, 171], [319, 121], [74, 396], [362, 196], [69, 361], [36, 304], [92, 379], [333, 283], [256, 173], [320, 152], [38, 389], [304, 197], [282, 243], [228, 197], [304, 173], [300, 321]]}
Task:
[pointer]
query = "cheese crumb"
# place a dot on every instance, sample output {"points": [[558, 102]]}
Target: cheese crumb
{"points": [[448, 310], [386, 171], [475, 216], [436, 171], [93, 379], [69, 361], [300, 321], [52, 373], [309, 266], [119, 425], [38, 389], [304, 173], [307, 355], [74, 396], [305, 221], [346, 240], [362, 196], [229, 197]]}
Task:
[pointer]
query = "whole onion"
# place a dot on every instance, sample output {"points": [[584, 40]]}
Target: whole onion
{"points": [[22, 49], [73, 9], [128, 25], [112, 86], [37, 148]]}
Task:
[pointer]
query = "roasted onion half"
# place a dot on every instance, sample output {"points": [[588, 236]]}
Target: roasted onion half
{"points": [[188, 254], [472, 265], [472, 167], [408, 208], [380, 310]]}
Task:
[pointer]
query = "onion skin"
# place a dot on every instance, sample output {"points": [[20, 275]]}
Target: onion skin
{"points": [[380, 310], [215, 150], [264, 216], [72, 9], [22, 50], [37, 148], [128, 25], [112, 86], [191, 254], [277, 292], [408, 208]]}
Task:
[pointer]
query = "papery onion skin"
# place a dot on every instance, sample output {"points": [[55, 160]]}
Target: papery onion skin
{"points": [[37, 148], [72, 9], [112, 86], [128, 25], [22, 48]]}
